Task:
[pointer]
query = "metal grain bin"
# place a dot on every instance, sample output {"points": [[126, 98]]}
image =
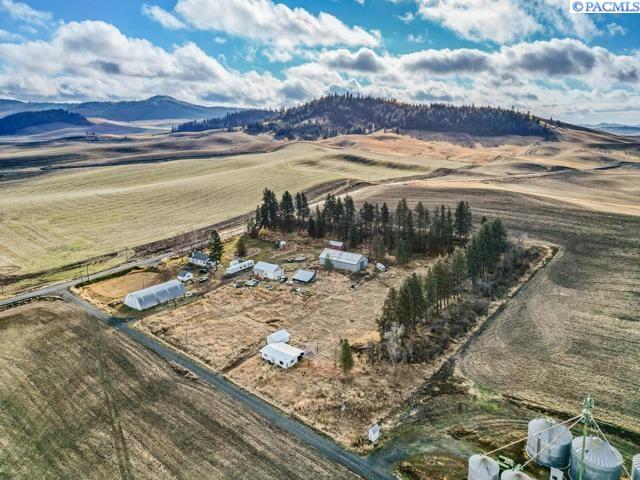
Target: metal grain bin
{"points": [[550, 442], [482, 467], [601, 460], [514, 475], [635, 467]]}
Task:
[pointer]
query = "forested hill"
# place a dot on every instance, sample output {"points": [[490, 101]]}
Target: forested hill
{"points": [[12, 124], [348, 114]]}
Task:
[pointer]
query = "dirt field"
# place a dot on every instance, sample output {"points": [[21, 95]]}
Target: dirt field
{"points": [[81, 401]]}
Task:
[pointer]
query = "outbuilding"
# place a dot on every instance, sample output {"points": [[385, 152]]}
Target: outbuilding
{"points": [[281, 354], [236, 266], [353, 262], [268, 271], [281, 336], [151, 296], [336, 244], [374, 433], [185, 276], [304, 276], [200, 259]]}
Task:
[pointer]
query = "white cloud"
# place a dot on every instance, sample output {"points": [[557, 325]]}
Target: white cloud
{"points": [[614, 29], [24, 13], [164, 18], [273, 23], [219, 40], [9, 36], [415, 38], [407, 17]]}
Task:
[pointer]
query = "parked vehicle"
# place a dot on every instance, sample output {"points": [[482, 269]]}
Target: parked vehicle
{"points": [[203, 278]]}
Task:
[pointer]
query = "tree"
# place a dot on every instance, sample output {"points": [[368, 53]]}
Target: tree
{"points": [[403, 251], [345, 360], [328, 265], [217, 248], [241, 248], [287, 212], [377, 249]]}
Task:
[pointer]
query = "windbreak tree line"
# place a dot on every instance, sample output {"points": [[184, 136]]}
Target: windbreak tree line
{"points": [[335, 114], [404, 232]]}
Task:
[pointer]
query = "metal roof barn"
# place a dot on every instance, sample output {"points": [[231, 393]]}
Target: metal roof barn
{"points": [[635, 467], [304, 276], [281, 354], [482, 467], [353, 262], [155, 295], [549, 444], [601, 460], [281, 336], [269, 271], [514, 475]]}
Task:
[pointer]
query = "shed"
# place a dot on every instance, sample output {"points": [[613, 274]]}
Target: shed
{"points": [[281, 336], [336, 244], [353, 262], [269, 271], [155, 295], [374, 433], [304, 276], [236, 266], [281, 354], [185, 276], [200, 259]]}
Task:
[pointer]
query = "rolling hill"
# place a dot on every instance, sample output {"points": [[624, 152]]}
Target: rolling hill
{"points": [[58, 118]]}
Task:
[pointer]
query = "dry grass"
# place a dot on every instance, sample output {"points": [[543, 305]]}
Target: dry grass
{"points": [[81, 401]]}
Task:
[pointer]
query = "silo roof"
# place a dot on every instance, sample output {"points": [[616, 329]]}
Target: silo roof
{"points": [[598, 453]]}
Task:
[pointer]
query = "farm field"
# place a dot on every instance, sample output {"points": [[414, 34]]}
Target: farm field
{"points": [[80, 400]]}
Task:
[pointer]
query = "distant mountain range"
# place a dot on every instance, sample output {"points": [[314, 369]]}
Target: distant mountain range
{"points": [[617, 128], [154, 108], [19, 122]]}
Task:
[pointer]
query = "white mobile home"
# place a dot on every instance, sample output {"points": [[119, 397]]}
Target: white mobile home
{"points": [[281, 354], [152, 296], [200, 259], [353, 262], [269, 271], [281, 336], [235, 266]]}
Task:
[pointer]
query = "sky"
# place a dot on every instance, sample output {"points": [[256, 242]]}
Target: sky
{"points": [[534, 55]]}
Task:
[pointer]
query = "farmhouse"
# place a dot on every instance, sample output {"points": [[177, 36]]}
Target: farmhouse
{"points": [[353, 262], [281, 354], [269, 271], [281, 336], [152, 296], [200, 259], [236, 266], [304, 276]]}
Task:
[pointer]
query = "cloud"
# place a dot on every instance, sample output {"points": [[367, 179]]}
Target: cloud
{"points": [[219, 40], [364, 60], [415, 38], [407, 17], [24, 13], [273, 23], [164, 18], [9, 36], [614, 29], [447, 61]]}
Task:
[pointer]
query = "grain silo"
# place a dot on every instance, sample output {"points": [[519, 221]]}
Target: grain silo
{"points": [[482, 467], [601, 460], [514, 475], [635, 467], [549, 443]]}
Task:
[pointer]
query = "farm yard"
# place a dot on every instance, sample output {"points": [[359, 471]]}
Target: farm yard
{"points": [[80, 400]]}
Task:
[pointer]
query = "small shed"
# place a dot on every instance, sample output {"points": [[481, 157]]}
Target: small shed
{"points": [[185, 276], [155, 295], [235, 266], [336, 244], [200, 259], [381, 267], [353, 262], [374, 433], [269, 271], [281, 336], [304, 276], [281, 354]]}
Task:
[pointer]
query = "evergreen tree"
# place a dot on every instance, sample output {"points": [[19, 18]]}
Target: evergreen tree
{"points": [[346, 358], [241, 248], [389, 314], [377, 248], [217, 248], [403, 252], [287, 212]]}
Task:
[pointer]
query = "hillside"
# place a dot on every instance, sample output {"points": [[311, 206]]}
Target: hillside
{"points": [[335, 115], [17, 122], [154, 108]]}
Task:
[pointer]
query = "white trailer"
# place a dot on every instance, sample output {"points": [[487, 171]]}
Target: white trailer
{"points": [[236, 267], [281, 354]]}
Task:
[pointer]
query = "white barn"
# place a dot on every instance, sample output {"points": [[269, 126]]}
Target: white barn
{"points": [[155, 295], [353, 262], [281, 336], [281, 354], [269, 271]]}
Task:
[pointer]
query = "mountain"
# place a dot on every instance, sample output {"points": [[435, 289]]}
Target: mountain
{"points": [[154, 108], [616, 128], [19, 122], [348, 114]]}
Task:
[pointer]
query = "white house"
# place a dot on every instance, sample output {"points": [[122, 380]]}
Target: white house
{"points": [[374, 433], [236, 266], [200, 259], [281, 336], [269, 271], [185, 276], [155, 295], [353, 262], [281, 354]]}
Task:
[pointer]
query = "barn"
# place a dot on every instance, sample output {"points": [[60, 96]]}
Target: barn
{"points": [[268, 271], [155, 295], [200, 259], [281, 354], [353, 262], [281, 336]]}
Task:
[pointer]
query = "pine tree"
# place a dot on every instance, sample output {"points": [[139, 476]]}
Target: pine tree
{"points": [[346, 358], [217, 248], [389, 314], [377, 248], [287, 212], [241, 248]]}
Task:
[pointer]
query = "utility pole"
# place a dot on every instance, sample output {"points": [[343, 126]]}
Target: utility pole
{"points": [[587, 419]]}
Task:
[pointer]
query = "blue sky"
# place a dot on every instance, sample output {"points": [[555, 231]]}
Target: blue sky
{"points": [[534, 55]]}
